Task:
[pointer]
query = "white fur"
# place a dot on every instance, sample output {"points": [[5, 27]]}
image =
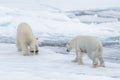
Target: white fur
{"points": [[25, 39], [89, 45]]}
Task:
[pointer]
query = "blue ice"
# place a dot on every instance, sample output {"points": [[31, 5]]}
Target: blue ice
{"points": [[5, 24]]}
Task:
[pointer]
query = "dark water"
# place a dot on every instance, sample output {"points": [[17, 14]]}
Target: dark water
{"points": [[111, 49], [112, 54], [109, 41]]}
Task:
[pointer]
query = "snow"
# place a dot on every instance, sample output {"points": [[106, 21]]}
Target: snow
{"points": [[64, 5], [55, 22], [49, 65], [93, 19], [50, 25]]}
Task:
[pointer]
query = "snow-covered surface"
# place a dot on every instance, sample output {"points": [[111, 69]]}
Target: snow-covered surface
{"points": [[55, 22], [49, 25], [64, 5], [106, 15], [49, 65], [49, 19]]}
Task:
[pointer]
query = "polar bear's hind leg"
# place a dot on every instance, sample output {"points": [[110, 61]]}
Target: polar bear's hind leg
{"points": [[101, 61], [95, 62]]}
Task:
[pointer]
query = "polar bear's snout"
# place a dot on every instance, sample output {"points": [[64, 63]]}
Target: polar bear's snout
{"points": [[68, 50], [69, 47], [36, 52]]}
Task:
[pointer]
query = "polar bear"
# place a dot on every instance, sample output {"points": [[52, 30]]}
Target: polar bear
{"points": [[89, 45], [25, 40]]}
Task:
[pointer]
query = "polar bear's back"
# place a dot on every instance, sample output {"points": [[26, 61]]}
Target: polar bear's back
{"points": [[87, 39], [88, 42], [24, 30], [24, 27]]}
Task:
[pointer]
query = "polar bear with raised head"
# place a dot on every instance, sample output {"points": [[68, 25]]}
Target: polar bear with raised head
{"points": [[25, 40], [89, 45]]}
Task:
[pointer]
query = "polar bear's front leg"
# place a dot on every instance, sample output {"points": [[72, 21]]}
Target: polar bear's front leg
{"points": [[76, 58], [25, 50], [79, 56]]}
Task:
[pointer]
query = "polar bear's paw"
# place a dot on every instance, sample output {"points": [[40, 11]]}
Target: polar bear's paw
{"points": [[36, 53], [95, 65], [26, 54], [74, 60], [102, 65]]}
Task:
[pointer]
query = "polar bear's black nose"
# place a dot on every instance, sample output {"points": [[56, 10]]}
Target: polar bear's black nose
{"points": [[32, 51], [67, 50], [36, 52]]}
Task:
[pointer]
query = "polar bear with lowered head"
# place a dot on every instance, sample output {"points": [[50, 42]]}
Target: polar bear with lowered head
{"points": [[89, 45], [25, 40]]}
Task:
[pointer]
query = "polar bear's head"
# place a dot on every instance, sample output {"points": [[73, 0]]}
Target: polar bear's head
{"points": [[34, 47], [69, 47]]}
